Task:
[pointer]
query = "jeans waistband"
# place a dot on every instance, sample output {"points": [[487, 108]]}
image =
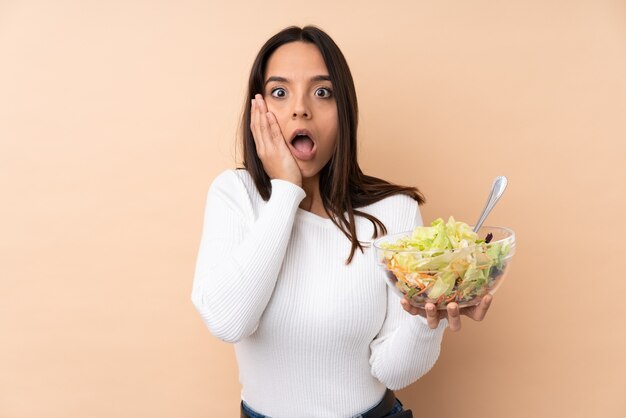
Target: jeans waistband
{"points": [[380, 410]]}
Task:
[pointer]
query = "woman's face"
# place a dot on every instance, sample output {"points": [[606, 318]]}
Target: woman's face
{"points": [[298, 91]]}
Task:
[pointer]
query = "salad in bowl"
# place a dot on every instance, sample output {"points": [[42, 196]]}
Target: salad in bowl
{"points": [[446, 262]]}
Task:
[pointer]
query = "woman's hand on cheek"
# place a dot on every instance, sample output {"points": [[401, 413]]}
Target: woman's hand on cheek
{"points": [[452, 312], [271, 145]]}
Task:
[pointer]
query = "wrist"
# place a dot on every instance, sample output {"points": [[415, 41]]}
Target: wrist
{"points": [[291, 179]]}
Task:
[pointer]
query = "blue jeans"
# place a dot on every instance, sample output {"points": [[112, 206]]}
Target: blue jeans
{"points": [[397, 407]]}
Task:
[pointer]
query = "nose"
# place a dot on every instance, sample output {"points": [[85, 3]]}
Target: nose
{"points": [[301, 108]]}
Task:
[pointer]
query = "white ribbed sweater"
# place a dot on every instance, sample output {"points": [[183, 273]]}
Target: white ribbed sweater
{"points": [[314, 337]]}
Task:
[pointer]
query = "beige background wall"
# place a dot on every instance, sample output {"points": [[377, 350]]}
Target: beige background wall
{"points": [[116, 116]]}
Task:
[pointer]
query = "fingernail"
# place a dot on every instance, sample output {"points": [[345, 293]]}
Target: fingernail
{"points": [[431, 309]]}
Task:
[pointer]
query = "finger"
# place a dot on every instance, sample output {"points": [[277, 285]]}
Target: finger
{"points": [[408, 307], [252, 115], [481, 310], [253, 127], [258, 101], [258, 119], [264, 126], [275, 131], [265, 135], [262, 106], [454, 317], [432, 317]]}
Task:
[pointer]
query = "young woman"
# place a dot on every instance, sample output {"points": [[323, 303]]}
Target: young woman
{"points": [[285, 270]]}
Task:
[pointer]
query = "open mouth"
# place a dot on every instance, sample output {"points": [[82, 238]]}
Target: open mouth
{"points": [[303, 144]]}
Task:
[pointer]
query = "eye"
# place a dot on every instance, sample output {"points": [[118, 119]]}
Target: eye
{"points": [[323, 92], [279, 92]]}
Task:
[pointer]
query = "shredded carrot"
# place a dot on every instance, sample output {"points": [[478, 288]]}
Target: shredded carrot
{"points": [[452, 296], [428, 286]]}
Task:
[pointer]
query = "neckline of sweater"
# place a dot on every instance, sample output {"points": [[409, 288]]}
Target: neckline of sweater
{"points": [[310, 216]]}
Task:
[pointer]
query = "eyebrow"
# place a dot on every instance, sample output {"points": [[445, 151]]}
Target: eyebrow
{"points": [[284, 80]]}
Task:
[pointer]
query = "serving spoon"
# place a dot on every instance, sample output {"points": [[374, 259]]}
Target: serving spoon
{"points": [[499, 184]]}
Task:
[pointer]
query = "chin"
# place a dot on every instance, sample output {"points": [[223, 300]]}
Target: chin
{"points": [[309, 174]]}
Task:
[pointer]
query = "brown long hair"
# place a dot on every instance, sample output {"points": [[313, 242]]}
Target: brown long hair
{"points": [[343, 186]]}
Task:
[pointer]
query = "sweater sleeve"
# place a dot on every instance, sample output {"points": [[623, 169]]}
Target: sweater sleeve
{"points": [[240, 257], [405, 348]]}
